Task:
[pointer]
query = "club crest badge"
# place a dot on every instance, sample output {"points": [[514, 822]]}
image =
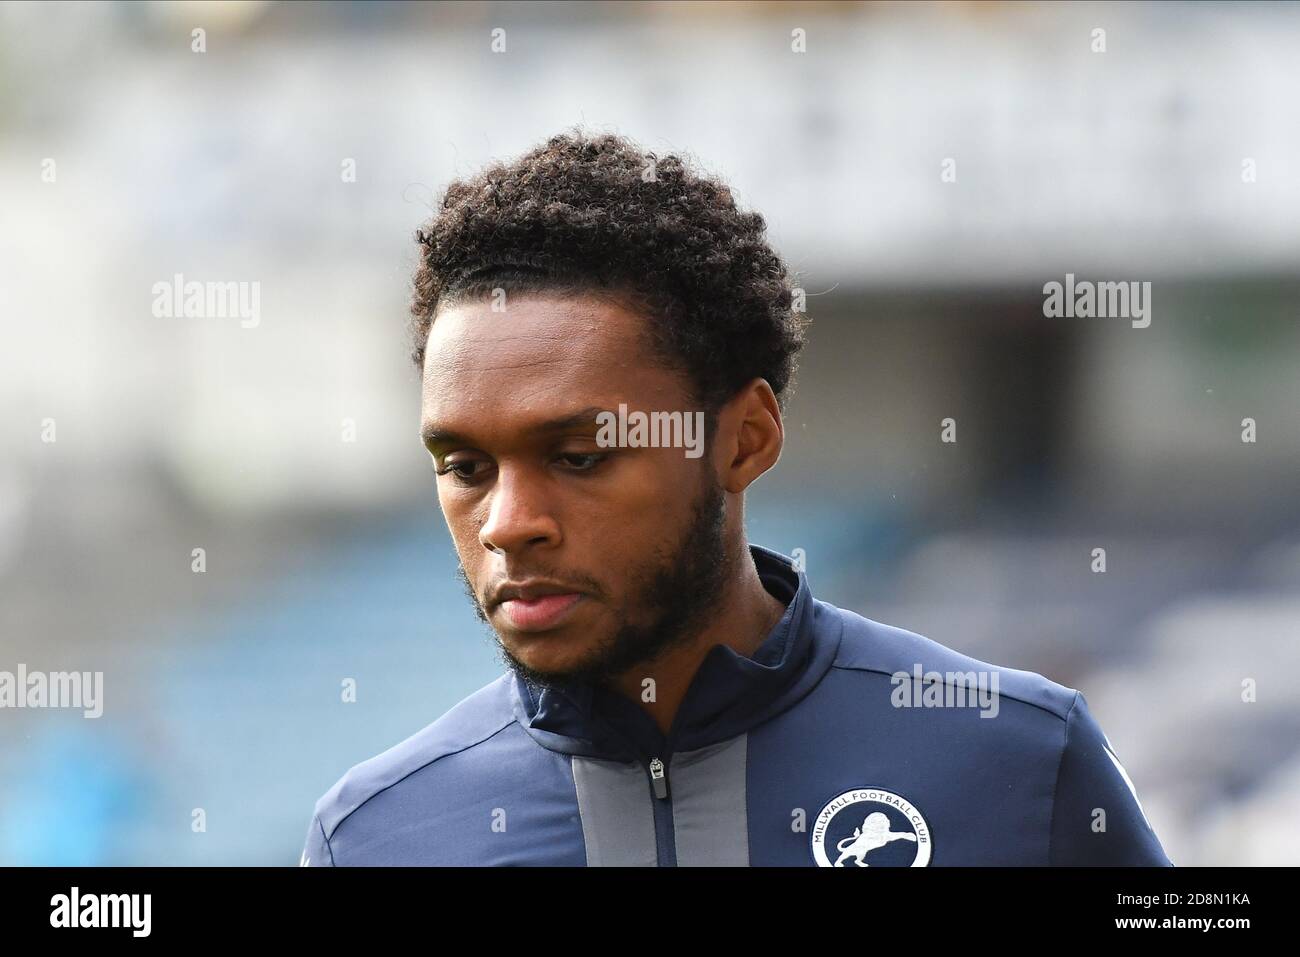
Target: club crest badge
{"points": [[870, 827]]}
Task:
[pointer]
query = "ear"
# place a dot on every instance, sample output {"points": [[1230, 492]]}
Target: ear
{"points": [[750, 436]]}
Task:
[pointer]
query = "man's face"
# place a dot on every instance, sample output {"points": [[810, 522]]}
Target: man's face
{"points": [[585, 560]]}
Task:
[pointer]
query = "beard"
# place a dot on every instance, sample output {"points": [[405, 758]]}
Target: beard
{"points": [[670, 598]]}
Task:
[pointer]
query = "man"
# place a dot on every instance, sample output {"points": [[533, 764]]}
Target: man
{"points": [[606, 342]]}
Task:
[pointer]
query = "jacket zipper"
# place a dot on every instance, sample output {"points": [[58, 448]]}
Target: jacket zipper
{"points": [[662, 806], [658, 778], [661, 802]]}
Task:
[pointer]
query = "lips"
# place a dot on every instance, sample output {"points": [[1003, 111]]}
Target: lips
{"points": [[541, 612]]}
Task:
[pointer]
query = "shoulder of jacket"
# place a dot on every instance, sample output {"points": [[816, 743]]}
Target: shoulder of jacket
{"points": [[886, 650], [471, 721]]}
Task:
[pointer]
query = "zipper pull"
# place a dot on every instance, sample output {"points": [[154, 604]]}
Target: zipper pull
{"points": [[658, 778]]}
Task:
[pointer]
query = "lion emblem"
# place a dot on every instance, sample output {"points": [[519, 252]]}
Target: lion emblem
{"points": [[873, 834]]}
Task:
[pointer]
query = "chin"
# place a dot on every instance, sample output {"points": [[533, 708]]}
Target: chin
{"points": [[552, 653]]}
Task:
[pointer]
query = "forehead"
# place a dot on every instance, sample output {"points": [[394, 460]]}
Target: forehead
{"points": [[543, 356]]}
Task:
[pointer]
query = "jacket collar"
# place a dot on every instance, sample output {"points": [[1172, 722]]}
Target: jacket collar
{"points": [[729, 694]]}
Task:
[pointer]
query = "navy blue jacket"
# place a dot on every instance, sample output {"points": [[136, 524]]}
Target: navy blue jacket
{"points": [[841, 742]]}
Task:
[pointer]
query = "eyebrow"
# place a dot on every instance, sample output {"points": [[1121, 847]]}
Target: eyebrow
{"points": [[433, 435]]}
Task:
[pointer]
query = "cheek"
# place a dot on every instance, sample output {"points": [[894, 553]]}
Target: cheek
{"points": [[463, 526], [653, 483], [635, 525]]}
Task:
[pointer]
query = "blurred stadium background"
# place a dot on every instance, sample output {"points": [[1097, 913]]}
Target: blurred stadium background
{"points": [[328, 559]]}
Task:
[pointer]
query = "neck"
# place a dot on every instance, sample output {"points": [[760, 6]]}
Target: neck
{"points": [[745, 615]]}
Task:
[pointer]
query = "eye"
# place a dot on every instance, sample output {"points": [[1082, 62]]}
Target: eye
{"points": [[582, 461], [464, 471]]}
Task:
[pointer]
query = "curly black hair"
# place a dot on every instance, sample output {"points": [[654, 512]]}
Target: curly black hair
{"points": [[599, 215]]}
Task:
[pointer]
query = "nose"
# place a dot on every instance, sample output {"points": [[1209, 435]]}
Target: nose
{"points": [[518, 515]]}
